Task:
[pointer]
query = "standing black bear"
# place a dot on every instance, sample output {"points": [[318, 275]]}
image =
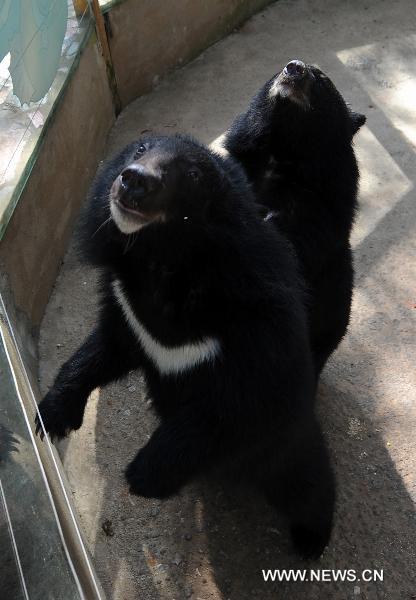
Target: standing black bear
{"points": [[295, 143], [205, 297]]}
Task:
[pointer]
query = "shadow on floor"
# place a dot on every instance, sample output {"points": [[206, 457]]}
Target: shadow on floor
{"points": [[214, 540]]}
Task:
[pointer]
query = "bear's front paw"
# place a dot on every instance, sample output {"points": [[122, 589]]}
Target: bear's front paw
{"points": [[146, 479], [59, 415]]}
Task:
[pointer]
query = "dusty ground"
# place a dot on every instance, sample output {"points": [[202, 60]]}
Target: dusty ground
{"points": [[212, 541]]}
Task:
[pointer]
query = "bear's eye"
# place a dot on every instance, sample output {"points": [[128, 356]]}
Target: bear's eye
{"points": [[140, 150], [193, 174]]}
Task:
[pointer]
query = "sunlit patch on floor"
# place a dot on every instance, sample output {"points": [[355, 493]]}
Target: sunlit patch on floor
{"points": [[382, 184], [386, 71]]}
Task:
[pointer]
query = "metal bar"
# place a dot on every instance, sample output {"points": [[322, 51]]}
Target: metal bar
{"points": [[80, 7], [51, 470], [106, 52]]}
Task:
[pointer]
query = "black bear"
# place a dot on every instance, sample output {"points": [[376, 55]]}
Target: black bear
{"points": [[205, 297], [295, 143]]}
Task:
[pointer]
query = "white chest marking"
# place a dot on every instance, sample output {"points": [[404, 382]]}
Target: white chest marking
{"points": [[168, 360]]}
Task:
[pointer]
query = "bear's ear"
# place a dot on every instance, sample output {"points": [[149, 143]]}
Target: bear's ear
{"points": [[357, 121]]}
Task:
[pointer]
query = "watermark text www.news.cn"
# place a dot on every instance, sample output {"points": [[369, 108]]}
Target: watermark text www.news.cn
{"points": [[322, 575]]}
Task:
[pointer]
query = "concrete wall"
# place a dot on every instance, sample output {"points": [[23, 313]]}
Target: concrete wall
{"points": [[150, 37], [36, 237]]}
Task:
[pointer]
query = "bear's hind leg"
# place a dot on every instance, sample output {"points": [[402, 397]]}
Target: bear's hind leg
{"points": [[302, 487]]}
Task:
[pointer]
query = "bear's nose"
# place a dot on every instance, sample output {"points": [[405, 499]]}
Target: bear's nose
{"points": [[138, 180], [295, 69], [133, 179], [136, 183]]}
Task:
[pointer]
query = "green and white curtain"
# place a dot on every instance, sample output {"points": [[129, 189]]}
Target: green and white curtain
{"points": [[33, 32]]}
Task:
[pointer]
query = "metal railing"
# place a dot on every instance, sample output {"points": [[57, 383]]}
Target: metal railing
{"points": [[43, 552]]}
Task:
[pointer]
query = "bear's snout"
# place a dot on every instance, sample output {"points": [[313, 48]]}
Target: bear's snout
{"points": [[136, 183], [295, 69], [138, 179]]}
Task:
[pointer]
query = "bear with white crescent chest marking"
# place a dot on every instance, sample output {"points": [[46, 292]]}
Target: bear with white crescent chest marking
{"points": [[206, 299]]}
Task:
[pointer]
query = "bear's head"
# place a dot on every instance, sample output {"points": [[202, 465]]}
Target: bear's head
{"points": [[161, 186], [163, 179], [307, 105]]}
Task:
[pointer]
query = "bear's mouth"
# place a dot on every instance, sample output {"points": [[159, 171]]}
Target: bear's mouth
{"points": [[131, 208], [293, 83]]}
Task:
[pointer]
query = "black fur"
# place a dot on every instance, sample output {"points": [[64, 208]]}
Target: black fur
{"points": [[209, 267], [297, 152]]}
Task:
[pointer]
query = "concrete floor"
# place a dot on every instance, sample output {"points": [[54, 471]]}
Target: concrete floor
{"points": [[212, 541]]}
